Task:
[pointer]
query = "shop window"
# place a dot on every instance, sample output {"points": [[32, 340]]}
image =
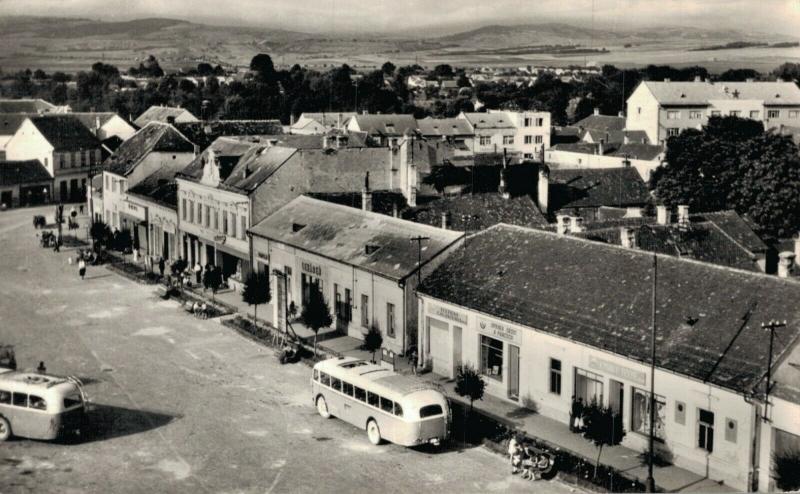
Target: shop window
{"points": [[730, 430], [555, 376], [680, 412], [588, 386], [390, 320], [705, 430], [492, 357], [640, 414]]}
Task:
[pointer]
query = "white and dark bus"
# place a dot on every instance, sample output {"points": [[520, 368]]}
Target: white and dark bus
{"points": [[390, 406]]}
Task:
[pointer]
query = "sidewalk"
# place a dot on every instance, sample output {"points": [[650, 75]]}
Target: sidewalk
{"points": [[668, 478]]}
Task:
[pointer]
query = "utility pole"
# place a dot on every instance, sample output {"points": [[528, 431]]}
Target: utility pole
{"points": [[650, 483], [771, 326], [419, 239]]}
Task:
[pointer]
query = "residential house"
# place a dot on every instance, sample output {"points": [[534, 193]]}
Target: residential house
{"points": [[66, 148], [363, 263], [9, 123], [664, 109], [455, 131], [320, 123], [164, 114], [583, 329], [105, 125], [386, 130], [24, 183], [523, 133], [157, 198]]}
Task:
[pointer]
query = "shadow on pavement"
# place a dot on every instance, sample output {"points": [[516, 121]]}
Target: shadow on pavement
{"points": [[108, 422]]}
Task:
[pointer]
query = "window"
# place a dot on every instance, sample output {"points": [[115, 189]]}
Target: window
{"points": [[508, 139], [72, 401], [730, 430], [673, 132], [183, 209], [208, 216], [398, 410], [359, 394], [224, 222], [528, 156], [754, 113], [390, 324], [316, 375], [113, 184], [365, 310], [199, 214], [243, 229], [735, 113], [5, 397], [108, 183], [640, 414], [37, 403], [538, 140], [233, 225], [485, 140], [324, 379], [555, 376], [430, 411], [588, 386], [539, 122], [387, 405], [773, 114], [673, 115], [347, 388], [528, 121], [705, 430], [336, 384], [528, 140], [20, 399], [47, 162], [793, 113], [639, 110], [373, 399], [492, 357], [215, 218], [715, 113], [695, 115]]}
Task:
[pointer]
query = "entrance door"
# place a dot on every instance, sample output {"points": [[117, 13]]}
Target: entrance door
{"points": [[165, 246], [5, 198], [280, 302], [438, 332], [63, 191], [456, 349], [616, 396], [210, 255], [513, 372]]}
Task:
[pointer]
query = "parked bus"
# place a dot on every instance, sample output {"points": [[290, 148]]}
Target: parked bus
{"points": [[390, 406], [40, 406]]}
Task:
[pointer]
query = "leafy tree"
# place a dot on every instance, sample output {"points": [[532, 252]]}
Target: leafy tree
{"points": [[787, 469], [39, 74], [443, 70], [739, 75], [388, 68], [470, 383], [602, 427], [262, 65], [463, 80], [316, 313], [61, 77], [788, 72], [204, 69], [373, 341], [100, 233], [256, 291]]}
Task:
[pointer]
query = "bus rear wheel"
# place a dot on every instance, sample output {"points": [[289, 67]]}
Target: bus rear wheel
{"points": [[322, 407], [374, 432], [5, 429]]}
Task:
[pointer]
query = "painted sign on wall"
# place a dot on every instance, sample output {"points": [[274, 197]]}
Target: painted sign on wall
{"points": [[500, 330], [444, 312], [617, 370]]}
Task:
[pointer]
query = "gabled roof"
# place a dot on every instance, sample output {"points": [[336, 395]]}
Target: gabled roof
{"points": [[10, 122], [443, 127], [160, 114], [599, 295], [23, 172], [391, 125], [90, 119], [65, 132], [33, 106], [154, 137], [342, 233], [204, 133], [635, 151], [159, 187], [256, 166], [700, 93], [476, 211], [330, 119], [603, 123], [594, 187], [494, 120]]}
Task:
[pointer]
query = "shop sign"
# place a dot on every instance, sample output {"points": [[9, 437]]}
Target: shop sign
{"points": [[500, 330], [311, 268], [134, 210], [444, 312], [617, 370]]}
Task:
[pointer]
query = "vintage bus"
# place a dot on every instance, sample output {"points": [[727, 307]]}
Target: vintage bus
{"points": [[40, 406], [390, 406]]}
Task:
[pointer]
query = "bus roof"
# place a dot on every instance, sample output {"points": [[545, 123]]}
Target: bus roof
{"points": [[33, 380], [366, 374]]}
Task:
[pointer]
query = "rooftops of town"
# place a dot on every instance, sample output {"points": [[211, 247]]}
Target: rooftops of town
{"points": [[585, 187], [699, 93], [65, 132], [23, 172], [154, 137]]}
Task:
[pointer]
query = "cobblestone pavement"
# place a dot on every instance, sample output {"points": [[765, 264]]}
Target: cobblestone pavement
{"points": [[187, 405]]}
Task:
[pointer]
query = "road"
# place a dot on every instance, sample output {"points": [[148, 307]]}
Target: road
{"points": [[187, 405]]}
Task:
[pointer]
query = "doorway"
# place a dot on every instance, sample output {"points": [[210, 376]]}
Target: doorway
{"points": [[5, 198], [456, 349], [616, 397], [513, 372]]}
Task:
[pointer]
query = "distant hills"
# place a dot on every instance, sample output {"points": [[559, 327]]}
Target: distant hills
{"points": [[55, 43]]}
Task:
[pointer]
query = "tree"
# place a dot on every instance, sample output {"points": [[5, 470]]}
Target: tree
{"points": [[316, 313], [602, 426], [204, 69], [739, 75], [388, 68], [443, 70], [787, 469], [39, 74], [788, 71], [256, 291], [470, 383], [373, 341], [262, 65], [463, 80]]}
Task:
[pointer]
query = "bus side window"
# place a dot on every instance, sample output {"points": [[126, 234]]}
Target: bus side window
{"points": [[5, 397], [37, 403], [398, 410], [373, 399], [316, 375], [360, 394], [20, 399], [387, 405], [336, 384], [325, 379], [347, 388]]}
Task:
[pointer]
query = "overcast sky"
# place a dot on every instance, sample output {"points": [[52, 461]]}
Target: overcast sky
{"points": [[393, 15]]}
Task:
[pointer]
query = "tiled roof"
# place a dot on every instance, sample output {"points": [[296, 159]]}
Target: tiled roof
{"points": [[577, 147], [700, 93], [89, 119], [598, 295], [476, 211], [204, 133], [443, 127], [585, 187], [159, 187], [10, 122], [634, 151], [386, 125], [155, 136], [309, 141], [329, 119], [489, 120], [343, 234], [257, 165], [65, 132], [33, 106], [159, 114], [603, 123], [23, 172]]}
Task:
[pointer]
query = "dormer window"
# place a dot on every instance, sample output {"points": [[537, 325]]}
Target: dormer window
{"points": [[296, 227], [370, 249]]}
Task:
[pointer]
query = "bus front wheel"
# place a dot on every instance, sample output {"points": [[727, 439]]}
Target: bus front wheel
{"points": [[322, 407], [5, 429], [374, 433]]}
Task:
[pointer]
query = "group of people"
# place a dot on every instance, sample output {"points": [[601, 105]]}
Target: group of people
{"points": [[525, 460], [200, 310]]}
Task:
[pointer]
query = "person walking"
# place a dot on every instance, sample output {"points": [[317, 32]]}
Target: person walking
{"points": [[161, 265], [82, 267], [198, 272], [574, 413]]}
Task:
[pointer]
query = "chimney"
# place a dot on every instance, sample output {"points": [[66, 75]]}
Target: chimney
{"points": [[562, 224], [577, 225], [697, 78], [445, 220], [543, 189], [628, 237], [601, 146], [597, 111], [366, 195], [683, 215], [662, 215], [785, 262]]}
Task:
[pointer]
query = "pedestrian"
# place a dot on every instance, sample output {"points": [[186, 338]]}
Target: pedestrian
{"points": [[198, 272], [82, 267], [515, 454], [56, 246], [41, 369], [579, 411], [573, 414], [161, 265]]}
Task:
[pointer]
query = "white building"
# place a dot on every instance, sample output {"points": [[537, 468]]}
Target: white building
{"points": [[165, 114], [365, 264], [545, 316], [320, 123], [526, 133], [106, 124], [664, 109]]}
